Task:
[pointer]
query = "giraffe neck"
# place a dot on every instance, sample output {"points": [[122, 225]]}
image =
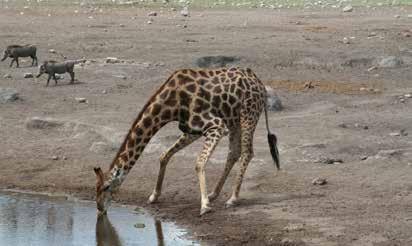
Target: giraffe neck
{"points": [[142, 130]]}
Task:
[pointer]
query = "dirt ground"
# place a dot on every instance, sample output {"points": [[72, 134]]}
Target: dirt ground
{"points": [[348, 112]]}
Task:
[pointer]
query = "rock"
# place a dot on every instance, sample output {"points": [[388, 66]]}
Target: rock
{"points": [[332, 161], [348, 8], [80, 99], [139, 225], [149, 22], [363, 158], [101, 147], [395, 134], [120, 76], [390, 62], [112, 60], [408, 95], [397, 16], [372, 68], [273, 102], [216, 61], [410, 16], [294, 227], [8, 95], [104, 91], [319, 181], [42, 123], [55, 157], [28, 75], [7, 76], [346, 40], [52, 51], [389, 153], [122, 25], [153, 13], [184, 12]]}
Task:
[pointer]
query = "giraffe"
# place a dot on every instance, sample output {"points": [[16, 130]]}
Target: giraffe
{"points": [[208, 103]]}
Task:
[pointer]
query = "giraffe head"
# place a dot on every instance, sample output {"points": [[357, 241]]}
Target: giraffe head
{"points": [[106, 185]]}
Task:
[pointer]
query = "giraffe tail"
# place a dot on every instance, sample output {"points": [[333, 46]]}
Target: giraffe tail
{"points": [[272, 140]]}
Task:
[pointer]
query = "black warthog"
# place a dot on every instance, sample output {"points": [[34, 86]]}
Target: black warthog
{"points": [[52, 68], [16, 51]]}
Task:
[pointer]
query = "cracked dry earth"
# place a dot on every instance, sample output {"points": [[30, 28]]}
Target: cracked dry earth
{"points": [[351, 111]]}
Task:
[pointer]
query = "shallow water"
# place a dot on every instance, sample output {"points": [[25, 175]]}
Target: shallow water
{"points": [[41, 220]]}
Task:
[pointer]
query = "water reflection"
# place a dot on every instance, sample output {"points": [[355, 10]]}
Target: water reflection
{"points": [[106, 234], [40, 221]]}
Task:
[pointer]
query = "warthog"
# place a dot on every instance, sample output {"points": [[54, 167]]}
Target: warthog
{"points": [[16, 51], [52, 67]]}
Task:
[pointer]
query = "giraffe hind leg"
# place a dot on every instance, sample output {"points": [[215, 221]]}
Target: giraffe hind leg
{"points": [[247, 130], [183, 141], [232, 158]]}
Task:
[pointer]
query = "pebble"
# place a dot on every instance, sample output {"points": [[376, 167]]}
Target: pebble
{"points": [[346, 40], [153, 13], [112, 60], [184, 12], [319, 181], [80, 99], [408, 95], [397, 16], [394, 134], [7, 76], [52, 51], [28, 75], [55, 157], [149, 22], [348, 8], [372, 68], [139, 225]]}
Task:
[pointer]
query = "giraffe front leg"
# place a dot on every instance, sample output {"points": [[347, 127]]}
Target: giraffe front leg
{"points": [[232, 158], [181, 143], [212, 139]]}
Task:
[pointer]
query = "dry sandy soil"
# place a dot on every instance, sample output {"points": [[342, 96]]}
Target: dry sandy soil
{"points": [[367, 199]]}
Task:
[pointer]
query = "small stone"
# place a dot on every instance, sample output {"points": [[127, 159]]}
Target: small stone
{"points": [[348, 8], [184, 12], [153, 13], [346, 40], [319, 181], [104, 91], [90, 17], [8, 95], [408, 95], [365, 157], [121, 25], [343, 125], [120, 76], [372, 34], [80, 99], [390, 62], [7, 76], [402, 100], [149, 22], [372, 68], [28, 75], [52, 51], [332, 161], [64, 157], [112, 60], [55, 157], [410, 16], [397, 16], [139, 225], [394, 134]]}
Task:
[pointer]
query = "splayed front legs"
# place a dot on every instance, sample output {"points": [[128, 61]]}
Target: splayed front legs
{"points": [[181, 143]]}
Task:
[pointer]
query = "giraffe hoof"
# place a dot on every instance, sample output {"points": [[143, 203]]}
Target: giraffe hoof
{"points": [[152, 199], [212, 196], [205, 210], [230, 203]]}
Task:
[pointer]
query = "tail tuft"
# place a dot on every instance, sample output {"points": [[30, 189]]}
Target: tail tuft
{"points": [[272, 140]]}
